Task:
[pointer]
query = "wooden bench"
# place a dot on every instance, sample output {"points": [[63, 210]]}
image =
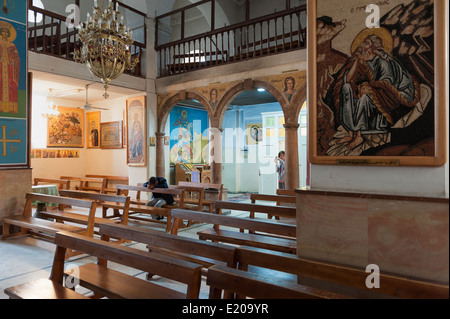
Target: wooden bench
{"points": [[42, 289], [62, 183], [241, 283], [104, 281], [111, 181], [85, 183], [340, 278], [278, 236], [29, 223], [193, 197], [122, 203], [206, 202], [194, 250], [286, 192], [280, 200], [137, 205]]}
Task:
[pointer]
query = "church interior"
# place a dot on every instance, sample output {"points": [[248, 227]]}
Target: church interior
{"points": [[304, 148]]}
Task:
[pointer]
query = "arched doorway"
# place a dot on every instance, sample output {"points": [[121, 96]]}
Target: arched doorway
{"points": [[251, 141]]}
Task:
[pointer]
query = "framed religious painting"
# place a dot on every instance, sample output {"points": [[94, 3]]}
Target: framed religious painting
{"points": [[67, 128], [93, 129], [136, 131], [111, 134], [377, 84]]}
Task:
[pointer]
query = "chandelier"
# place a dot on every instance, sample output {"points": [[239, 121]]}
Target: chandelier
{"points": [[106, 44]]}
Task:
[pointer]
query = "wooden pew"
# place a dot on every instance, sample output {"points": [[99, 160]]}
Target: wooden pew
{"points": [[29, 223], [286, 192], [137, 205], [85, 183], [242, 283], [340, 278], [288, 213], [104, 281], [194, 250], [209, 203], [193, 197], [111, 181], [62, 183], [280, 200], [42, 289], [280, 237], [122, 203]]}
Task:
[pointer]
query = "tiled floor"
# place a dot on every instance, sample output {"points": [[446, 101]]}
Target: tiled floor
{"points": [[25, 259]]}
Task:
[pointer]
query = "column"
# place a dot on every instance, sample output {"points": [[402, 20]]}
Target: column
{"points": [[215, 155], [160, 158], [292, 178]]}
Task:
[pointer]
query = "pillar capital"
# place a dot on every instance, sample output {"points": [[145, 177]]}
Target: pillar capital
{"points": [[291, 126]]}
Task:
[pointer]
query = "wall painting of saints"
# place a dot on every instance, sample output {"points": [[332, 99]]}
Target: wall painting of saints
{"points": [[375, 75], [136, 132], [67, 128]]}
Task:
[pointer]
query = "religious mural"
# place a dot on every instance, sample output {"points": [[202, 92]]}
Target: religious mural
{"points": [[67, 128], [374, 86], [13, 85], [189, 135]]}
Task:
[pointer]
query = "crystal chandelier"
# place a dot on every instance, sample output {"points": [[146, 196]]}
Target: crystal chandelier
{"points": [[106, 44]]}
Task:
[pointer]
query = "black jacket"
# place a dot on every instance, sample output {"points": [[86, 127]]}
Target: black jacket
{"points": [[161, 182]]}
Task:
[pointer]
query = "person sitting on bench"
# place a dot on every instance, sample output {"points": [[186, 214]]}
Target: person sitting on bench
{"points": [[158, 200]]}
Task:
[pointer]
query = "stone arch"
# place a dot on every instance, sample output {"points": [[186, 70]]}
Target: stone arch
{"points": [[296, 104], [246, 85], [167, 107]]}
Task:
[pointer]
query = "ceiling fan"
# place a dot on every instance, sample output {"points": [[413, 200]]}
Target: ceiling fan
{"points": [[87, 106]]}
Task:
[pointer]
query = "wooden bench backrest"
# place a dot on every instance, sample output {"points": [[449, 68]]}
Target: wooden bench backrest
{"points": [[165, 266], [30, 197], [111, 181], [237, 222], [96, 196], [258, 286], [63, 201], [84, 182], [342, 275], [138, 189], [219, 187], [163, 240], [273, 198], [123, 179], [62, 183], [284, 211], [288, 192]]}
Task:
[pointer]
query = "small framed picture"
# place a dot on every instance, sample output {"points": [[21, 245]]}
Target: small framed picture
{"points": [[111, 135]]}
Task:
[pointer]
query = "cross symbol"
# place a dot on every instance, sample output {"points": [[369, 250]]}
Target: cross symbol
{"points": [[5, 141]]}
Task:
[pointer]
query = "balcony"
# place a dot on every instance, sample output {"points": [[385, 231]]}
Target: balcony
{"points": [[263, 36], [48, 33]]}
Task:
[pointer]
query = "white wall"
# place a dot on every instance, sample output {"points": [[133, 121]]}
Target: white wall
{"points": [[91, 161]]}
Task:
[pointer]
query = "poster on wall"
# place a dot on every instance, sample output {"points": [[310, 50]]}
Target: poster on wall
{"points": [[136, 131], [93, 129], [13, 86], [376, 71], [111, 134], [188, 135], [254, 133], [67, 128]]}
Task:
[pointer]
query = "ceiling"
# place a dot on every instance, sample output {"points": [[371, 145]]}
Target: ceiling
{"points": [[43, 82]]}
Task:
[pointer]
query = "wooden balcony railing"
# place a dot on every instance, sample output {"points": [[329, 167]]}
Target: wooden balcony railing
{"points": [[53, 37], [272, 34]]}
